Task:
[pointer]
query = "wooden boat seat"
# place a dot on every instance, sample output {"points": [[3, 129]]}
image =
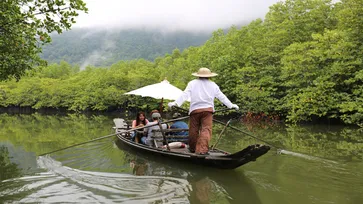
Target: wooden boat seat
{"points": [[170, 130], [158, 136], [120, 124]]}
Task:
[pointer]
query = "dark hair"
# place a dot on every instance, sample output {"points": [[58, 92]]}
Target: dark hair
{"points": [[138, 122]]}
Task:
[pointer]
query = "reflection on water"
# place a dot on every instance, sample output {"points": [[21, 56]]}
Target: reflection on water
{"points": [[149, 182], [208, 185], [138, 179], [8, 168], [105, 171]]}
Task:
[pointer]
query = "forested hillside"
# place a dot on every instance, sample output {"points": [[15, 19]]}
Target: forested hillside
{"points": [[101, 47], [302, 62]]}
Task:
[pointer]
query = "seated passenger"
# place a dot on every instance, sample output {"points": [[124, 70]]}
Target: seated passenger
{"points": [[152, 112], [156, 111], [139, 122], [179, 125], [147, 139]]}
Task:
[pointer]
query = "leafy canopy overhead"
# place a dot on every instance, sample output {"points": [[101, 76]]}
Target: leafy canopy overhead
{"points": [[25, 25]]}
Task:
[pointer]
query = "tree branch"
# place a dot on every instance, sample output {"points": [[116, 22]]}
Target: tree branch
{"points": [[55, 10]]}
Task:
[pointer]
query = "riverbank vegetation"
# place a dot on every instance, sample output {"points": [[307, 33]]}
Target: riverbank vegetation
{"points": [[302, 62], [48, 133]]}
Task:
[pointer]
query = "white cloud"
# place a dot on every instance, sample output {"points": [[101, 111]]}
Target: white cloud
{"points": [[194, 15]]}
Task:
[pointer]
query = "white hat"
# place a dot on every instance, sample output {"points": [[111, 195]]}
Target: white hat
{"points": [[156, 115], [204, 72], [176, 115]]}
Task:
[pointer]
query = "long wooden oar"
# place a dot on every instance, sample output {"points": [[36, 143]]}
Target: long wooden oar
{"points": [[246, 133], [279, 150], [187, 112], [234, 128], [96, 139], [220, 134], [164, 137], [110, 135]]}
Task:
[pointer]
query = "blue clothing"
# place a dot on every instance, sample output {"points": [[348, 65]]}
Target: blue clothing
{"points": [[143, 141], [179, 125], [132, 134]]}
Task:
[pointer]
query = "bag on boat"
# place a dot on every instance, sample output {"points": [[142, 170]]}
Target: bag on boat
{"points": [[175, 145]]}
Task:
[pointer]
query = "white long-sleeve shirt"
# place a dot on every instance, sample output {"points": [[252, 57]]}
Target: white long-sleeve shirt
{"points": [[202, 93]]}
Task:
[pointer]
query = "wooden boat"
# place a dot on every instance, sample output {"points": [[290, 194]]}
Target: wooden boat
{"points": [[217, 158]]}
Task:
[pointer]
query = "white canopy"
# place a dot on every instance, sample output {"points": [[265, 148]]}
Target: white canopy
{"points": [[162, 90]]}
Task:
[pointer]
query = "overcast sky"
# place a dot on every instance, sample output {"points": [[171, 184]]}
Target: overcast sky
{"points": [[192, 15]]}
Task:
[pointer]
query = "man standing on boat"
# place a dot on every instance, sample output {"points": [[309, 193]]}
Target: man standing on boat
{"points": [[201, 92]]}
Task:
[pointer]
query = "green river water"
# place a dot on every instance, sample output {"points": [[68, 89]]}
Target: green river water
{"points": [[319, 164]]}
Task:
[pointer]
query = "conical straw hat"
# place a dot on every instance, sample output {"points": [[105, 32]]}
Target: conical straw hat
{"points": [[204, 72]]}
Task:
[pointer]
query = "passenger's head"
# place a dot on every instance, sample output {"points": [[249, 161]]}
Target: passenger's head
{"points": [[155, 116], [176, 115], [152, 112], [140, 118]]}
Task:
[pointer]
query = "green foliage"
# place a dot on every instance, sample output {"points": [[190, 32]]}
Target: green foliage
{"points": [[25, 26], [61, 70], [60, 86], [302, 62], [321, 75]]}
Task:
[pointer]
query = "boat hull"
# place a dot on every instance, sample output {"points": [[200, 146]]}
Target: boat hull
{"points": [[217, 158]]}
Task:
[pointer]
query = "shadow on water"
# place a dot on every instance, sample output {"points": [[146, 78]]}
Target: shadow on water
{"points": [[209, 185]]}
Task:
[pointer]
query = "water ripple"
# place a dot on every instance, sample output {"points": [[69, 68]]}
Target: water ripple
{"points": [[64, 184]]}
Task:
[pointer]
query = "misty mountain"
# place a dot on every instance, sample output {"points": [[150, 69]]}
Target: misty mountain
{"points": [[104, 47]]}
